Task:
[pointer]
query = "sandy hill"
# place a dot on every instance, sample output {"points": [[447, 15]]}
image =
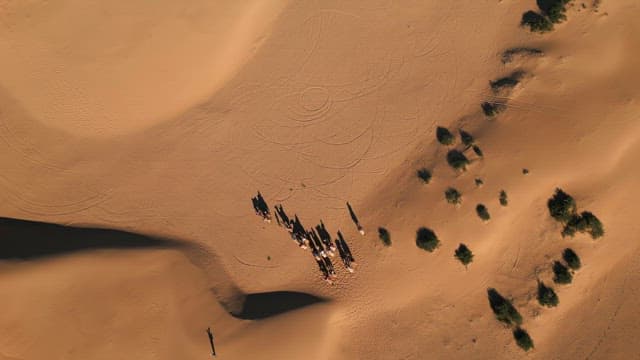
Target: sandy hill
{"points": [[134, 134]]}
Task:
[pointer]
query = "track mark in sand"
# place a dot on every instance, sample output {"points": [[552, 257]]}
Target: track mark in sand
{"points": [[631, 270], [35, 207], [27, 151], [255, 265]]}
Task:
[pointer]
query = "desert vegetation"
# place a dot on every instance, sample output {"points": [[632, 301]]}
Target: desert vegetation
{"points": [[503, 309], [504, 201], [444, 136], [464, 255], [512, 54], [571, 258], [479, 182], [523, 339], [453, 196], [483, 212], [384, 236], [466, 138], [546, 295], [457, 160], [426, 239], [562, 207], [507, 83], [492, 109], [561, 274], [424, 175], [552, 12]]}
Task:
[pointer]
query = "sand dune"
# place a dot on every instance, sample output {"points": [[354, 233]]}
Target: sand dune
{"points": [[143, 130]]}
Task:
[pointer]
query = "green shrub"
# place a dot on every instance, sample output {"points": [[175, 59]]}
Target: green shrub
{"points": [[457, 160], [504, 201], [536, 22], [503, 309], [453, 196], [561, 206], [426, 239], [384, 235], [424, 175], [571, 258], [464, 254], [523, 339], [444, 136], [477, 150], [546, 296], [482, 212], [561, 274], [466, 138]]}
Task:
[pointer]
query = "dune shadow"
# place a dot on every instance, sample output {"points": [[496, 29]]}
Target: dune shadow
{"points": [[24, 239], [262, 305]]}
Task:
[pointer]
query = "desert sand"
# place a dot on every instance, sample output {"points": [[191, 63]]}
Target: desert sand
{"points": [[160, 120]]}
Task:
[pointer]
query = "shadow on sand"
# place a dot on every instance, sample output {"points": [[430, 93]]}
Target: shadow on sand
{"points": [[266, 304], [23, 239]]}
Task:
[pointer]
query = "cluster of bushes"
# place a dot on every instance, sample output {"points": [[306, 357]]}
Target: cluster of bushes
{"points": [[552, 12], [456, 158], [508, 314], [563, 274], [562, 207]]}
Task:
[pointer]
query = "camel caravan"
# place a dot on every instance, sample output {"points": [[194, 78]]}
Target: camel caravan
{"points": [[317, 239]]}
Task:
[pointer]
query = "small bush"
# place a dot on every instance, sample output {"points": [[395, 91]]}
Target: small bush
{"points": [[523, 339], [561, 274], [426, 239], [466, 138], [525, 171], [424, 175], [546, 296], [477, 150], [479, 182], [503, 309], [492, 108], [482, 212], [536, 22], [457, 160], [504, 201], [444, 136], [571, 258], [464, 254], [561, 206], [453, 196], [384, 235]]}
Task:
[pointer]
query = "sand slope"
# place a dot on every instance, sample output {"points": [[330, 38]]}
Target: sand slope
{"points": [[164, 119]]}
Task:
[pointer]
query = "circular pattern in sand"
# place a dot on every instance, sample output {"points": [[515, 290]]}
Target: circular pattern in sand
{"points": [[314, 98]]}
